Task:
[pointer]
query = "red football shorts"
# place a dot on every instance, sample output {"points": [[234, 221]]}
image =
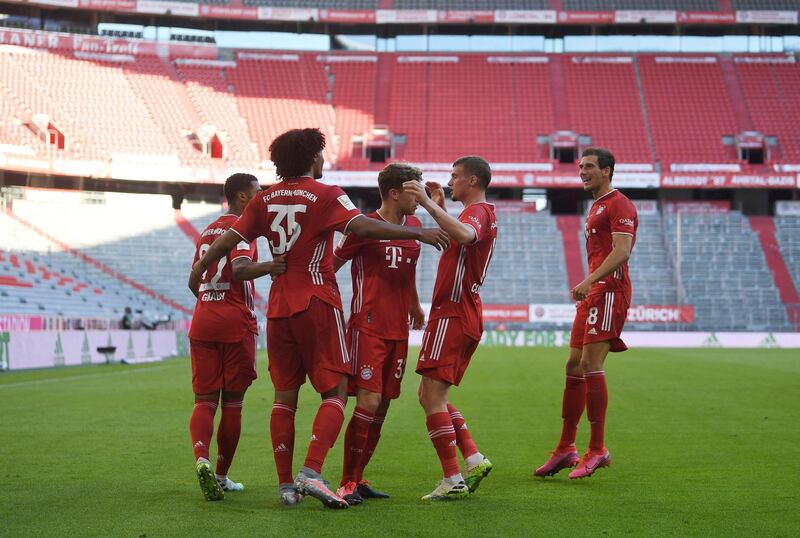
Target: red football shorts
{"points": [[600, 318], [378, 364], [228, 366], [446, 351], [310, 343]]}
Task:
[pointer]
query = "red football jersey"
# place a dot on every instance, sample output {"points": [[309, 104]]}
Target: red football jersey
{"points": [[462, 270], [298, 217], [610, 214], [384, 276], [225, 309]]}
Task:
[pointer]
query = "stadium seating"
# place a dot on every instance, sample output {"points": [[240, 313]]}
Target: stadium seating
{"points": [[149, 108], [605, 84], [143, 263], [678, 90], [607, 5], [766, 4], [281, 93], [738, 292], [330, 4], [38, 278], [473, 5], [772, 92], [217, 106], [788, 235]]}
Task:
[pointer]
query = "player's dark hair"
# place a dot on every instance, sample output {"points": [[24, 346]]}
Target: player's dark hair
{"points": [[238, 183], [394, 175], [294, 151], [605, 159], [476, 166]]}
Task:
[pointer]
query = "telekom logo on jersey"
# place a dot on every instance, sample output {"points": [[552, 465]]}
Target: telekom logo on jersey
{"points": [[394, 255]]}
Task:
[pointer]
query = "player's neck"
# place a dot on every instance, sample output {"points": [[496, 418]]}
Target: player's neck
{"points": [[474, 197], [390, 214], [602, 191]]}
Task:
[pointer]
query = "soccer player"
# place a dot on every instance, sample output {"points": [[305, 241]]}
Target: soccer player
{"points": [[456, 320], [384, 296], [222, 340], [603, 301], [305, 326]]}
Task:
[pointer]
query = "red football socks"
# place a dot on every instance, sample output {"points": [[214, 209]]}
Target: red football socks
{"points": [[281, 430], [369, 448], [230, 427], [201, 426], [443, 437], [326, 428], [596, 404], [465, 443], [571, 410], [355, 441]]}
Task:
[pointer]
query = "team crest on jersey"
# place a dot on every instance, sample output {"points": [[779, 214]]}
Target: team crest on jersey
{"points": [[600, 209], [366, 373]]}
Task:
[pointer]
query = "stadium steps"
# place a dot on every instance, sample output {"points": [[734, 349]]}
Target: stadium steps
{"points": [[765, 228], [643, 104], [186, 226], [88, 260], [743, 121], [383, 88], [558, 89], [570, 228]]}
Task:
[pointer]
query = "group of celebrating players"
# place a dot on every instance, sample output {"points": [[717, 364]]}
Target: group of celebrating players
{"points": [[365, 357]]}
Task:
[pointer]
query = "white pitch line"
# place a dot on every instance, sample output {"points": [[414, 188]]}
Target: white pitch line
{"points": [[90, 376]]}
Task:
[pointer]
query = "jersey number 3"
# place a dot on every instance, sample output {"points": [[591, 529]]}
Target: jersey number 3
{"points": [[285, 226]]}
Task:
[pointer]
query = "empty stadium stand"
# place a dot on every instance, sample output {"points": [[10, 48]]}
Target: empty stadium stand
{"points": [[471, 4], [50, 265], [787, 232], [150, 109], [724, 273], [606, 5], [678, 90]]}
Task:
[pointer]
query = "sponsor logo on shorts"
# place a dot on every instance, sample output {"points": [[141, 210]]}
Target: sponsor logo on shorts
{"points": [[366, 373], [592, 331]]}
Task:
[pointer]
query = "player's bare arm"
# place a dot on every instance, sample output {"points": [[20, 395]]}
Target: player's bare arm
{"points": [[457, 230], [245, 269], [415, 311], [620, 253], [436, 192], [375, 229], [338, 263], [219, 248]]}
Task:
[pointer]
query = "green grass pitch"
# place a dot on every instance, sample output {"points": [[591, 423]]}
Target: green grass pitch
{"points": [[703, 442]]}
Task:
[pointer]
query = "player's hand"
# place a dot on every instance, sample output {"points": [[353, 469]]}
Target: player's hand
{"points": [[277, 266], [416, 188], [581, 291], [437, 193], [436, 237], [194, 279], [417, 315]]}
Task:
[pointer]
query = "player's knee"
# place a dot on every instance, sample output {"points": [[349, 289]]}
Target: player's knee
{"points": [[233, 396], [339, 391], [212, 396], [590, 364], [369, 401]]}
